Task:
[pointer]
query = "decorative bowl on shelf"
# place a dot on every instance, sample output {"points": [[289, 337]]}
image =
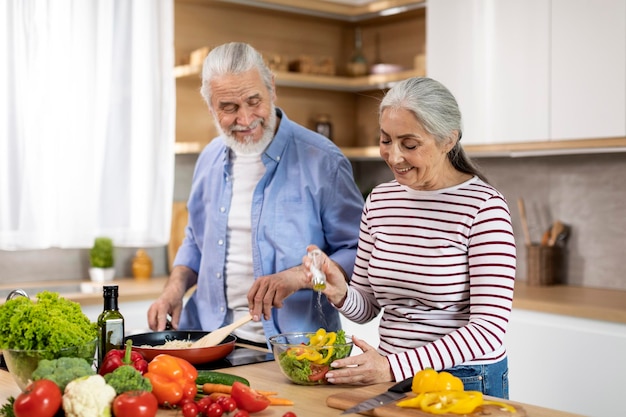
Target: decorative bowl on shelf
{"points": [[305, 358], [22, 363]]}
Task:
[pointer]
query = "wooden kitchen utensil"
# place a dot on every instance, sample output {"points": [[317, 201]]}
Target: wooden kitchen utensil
{"points": [[522, 213], [216, 336], [555, 231]]}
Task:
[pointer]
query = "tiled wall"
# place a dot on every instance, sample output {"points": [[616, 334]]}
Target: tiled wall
{"points": [[588, 192]]}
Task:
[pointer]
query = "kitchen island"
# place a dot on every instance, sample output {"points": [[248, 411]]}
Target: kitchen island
{"points": [[308, 401]]}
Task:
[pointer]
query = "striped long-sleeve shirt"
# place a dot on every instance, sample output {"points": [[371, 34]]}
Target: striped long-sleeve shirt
{"points": [[441, 265]]}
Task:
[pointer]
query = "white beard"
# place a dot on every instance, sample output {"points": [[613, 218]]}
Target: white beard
{"points": [[248, 146]]}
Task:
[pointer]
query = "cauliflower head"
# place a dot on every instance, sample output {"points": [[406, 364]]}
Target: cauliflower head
{"points": [[89, 396]]}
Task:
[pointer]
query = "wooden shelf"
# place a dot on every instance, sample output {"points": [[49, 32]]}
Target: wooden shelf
{"points": [[353, 12], [510, 150], [518, 150], [321, 82]]}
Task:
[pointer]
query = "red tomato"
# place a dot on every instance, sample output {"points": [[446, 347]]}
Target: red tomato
{"points": [[289, 414], [248, 399], [190, 409], [204, 403], [41, 398], [228, 404], [318, 372], [135, 404], [214, 410], [242, 413]]}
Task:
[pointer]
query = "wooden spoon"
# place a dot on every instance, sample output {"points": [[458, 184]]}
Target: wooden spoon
{"points": [[216, 336], [557, 229]]}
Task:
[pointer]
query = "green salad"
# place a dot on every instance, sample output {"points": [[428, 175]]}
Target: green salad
{"points": [[50, 323], [308, 363]]}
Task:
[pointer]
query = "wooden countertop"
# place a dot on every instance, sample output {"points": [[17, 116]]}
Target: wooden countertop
{"points": [[581, 302], [309, 401]]}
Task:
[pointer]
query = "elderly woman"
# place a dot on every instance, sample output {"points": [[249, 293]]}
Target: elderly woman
{"points": [[436, 254]]}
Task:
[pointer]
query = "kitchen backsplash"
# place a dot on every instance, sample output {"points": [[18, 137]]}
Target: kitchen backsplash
{"points": [[587, 192]]}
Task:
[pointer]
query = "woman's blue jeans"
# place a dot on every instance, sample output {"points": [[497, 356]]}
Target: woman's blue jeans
{"points": [[491, 379]]}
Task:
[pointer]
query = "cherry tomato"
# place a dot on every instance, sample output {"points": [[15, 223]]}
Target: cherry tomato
{"points": [[190, 409], [228, 404], [41, 398], [318, 372], [248, 399], [242, 413], [204, 403], [289, 414], [135, 404], [214, 410]]}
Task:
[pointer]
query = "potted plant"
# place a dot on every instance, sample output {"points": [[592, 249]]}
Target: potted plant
{"points": [[101, 260]]}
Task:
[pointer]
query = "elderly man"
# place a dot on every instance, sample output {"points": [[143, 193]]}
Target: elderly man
{"points": [[262, 191]]}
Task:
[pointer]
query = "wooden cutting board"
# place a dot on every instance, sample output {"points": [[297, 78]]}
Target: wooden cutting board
{"points": [[350, 398]]}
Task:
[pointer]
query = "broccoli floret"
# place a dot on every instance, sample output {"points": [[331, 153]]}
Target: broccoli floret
{"points": [[126, 378], [62, 370]]}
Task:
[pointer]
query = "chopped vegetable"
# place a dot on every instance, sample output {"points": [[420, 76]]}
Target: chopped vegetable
{"points": [[88, 396], [119, 357], [429, 380], [279, 401], [173, 379], [248, 399], [50, 323], [63, 370], [126, 378], [309, 363], [450, 402]]}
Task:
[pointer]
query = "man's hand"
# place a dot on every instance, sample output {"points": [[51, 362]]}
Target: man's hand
{"points": [[271, 290], [170, 302]]}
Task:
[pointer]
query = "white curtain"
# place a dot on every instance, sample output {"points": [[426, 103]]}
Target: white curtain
{"points": [[87, 109]]}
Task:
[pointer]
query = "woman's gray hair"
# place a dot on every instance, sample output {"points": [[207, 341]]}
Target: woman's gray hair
{"points": [[436, 110], [232, 58]]}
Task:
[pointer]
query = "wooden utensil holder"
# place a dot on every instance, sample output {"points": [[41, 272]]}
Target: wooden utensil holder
{"points": [[544, 265]]}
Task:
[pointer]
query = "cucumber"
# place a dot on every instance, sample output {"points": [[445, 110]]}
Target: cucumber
{"points": [[213, 377]]}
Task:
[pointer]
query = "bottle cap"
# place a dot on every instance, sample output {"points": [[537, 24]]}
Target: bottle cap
{"points": [[109, 290]]}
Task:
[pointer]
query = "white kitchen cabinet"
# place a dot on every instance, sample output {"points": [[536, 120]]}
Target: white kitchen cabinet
{"points": [[588, 69], [494, 57], [566, 363]]}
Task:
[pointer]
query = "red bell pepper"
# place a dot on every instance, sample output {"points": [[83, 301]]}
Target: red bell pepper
{"points": [[118, 357]]}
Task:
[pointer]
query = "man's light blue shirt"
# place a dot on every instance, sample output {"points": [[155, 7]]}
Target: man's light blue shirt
{"points": [[306, 196]]}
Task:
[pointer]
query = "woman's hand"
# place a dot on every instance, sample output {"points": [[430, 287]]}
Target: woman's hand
{"points": [[370, 367], [336, 281]]}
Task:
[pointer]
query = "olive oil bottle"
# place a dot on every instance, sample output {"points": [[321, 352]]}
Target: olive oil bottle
{"points": [[110, 324]]}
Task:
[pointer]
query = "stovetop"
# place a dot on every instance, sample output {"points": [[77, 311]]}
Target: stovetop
{"points": [[239, 356]]}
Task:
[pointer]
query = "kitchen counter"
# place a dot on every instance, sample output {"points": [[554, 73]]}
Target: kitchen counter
{"points": [[309, 401], [582, 302]]}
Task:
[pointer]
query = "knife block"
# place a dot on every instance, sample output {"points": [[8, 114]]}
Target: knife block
{"points": [[544, 265]]}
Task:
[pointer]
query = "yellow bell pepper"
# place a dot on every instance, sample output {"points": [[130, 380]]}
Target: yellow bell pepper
{"points": [[429, 380], [445, 402]]}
